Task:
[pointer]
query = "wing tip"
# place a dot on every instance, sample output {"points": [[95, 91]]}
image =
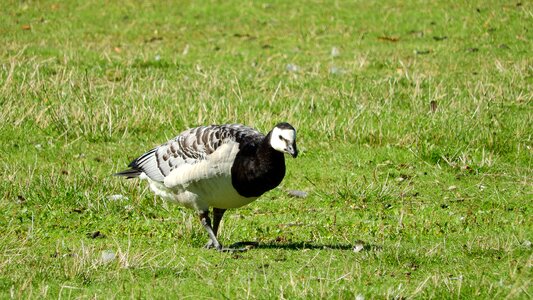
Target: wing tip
{"points": [[130, 173]]}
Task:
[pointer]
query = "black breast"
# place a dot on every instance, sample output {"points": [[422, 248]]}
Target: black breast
{"points": [[257, 169]]}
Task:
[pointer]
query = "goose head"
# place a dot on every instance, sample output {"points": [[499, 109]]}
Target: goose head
{"points": [[283, 139]]}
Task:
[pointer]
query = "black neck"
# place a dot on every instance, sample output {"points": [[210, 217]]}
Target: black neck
{"points": [[257, 169]]}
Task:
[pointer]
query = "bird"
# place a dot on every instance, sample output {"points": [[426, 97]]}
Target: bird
{"points": [[216, 167]]}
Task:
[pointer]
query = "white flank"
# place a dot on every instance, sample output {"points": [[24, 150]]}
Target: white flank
{"points": [[204, 184]]}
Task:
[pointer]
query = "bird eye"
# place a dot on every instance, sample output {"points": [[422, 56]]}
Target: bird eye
{"points": [[280, 137]]}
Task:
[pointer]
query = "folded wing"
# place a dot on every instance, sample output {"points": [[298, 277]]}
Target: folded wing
{"points": [[188, 148]]}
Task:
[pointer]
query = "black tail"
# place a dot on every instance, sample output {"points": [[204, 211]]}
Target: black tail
{"points": [[135, 166], [130, 173]]}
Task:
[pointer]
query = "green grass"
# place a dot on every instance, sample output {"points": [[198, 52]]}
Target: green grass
{"points": [[441, 198]]}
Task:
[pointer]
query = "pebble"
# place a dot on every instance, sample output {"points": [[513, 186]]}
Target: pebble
{"points": [[297, 193], [292, 68], [358, 246], [108, 256]]}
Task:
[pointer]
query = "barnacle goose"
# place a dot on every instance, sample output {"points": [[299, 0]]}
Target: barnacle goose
{"points": [[218, 166]]}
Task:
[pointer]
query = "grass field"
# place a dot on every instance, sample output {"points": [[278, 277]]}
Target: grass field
{"points": [[414, 119]]}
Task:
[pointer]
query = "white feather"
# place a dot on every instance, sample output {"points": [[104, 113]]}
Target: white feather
{"points": [[204, 184], [281, 138]]}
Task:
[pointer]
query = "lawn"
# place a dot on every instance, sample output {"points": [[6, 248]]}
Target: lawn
{"points": [[414, 119]]}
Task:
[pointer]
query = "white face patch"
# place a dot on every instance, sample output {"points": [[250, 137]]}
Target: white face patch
{"points": [[283, 140]]}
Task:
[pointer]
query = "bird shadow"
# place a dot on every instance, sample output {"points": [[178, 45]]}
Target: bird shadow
{"points": [[306, 246]]}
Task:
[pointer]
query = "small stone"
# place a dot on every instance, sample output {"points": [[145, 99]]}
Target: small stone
{"points": [[292, 68], [297, 193], [358, 246], [108, 256]]}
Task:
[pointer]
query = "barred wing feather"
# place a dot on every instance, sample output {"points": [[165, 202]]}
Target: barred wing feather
{"points": [[189, 147]]}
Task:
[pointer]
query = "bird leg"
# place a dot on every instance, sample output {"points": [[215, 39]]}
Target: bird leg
{"points": [[218, 213], [217, 217], [206, 222]]}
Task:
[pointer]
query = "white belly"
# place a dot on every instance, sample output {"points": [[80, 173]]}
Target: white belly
{"points": [[219, 192], [214, 192]]}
